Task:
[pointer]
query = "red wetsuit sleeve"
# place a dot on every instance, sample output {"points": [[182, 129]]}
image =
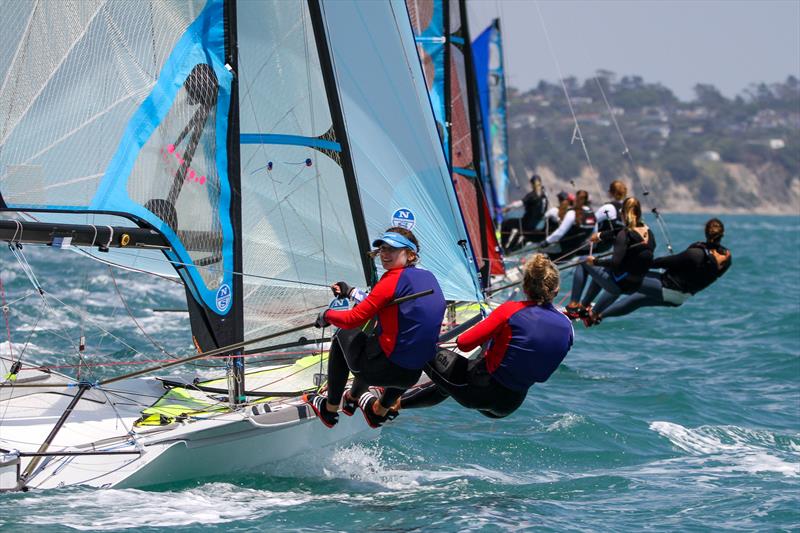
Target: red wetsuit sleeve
{"points": [[379, 297], [485, 329]]}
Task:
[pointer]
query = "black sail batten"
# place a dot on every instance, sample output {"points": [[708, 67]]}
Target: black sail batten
{"points": [[337, 116], [472, 99]]}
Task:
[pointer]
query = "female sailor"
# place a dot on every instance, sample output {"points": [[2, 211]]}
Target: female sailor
{"points": [[685, 274], [609, 215], [622, 273], [402, 343], [576, 226], [516, 231], [524, 344]]}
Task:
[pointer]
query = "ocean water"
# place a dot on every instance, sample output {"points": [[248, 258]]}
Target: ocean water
{"points": [[679, 419]]}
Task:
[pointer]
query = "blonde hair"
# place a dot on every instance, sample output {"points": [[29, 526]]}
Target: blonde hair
{"points": [[541, 279], [632, 212], [618, 190]]}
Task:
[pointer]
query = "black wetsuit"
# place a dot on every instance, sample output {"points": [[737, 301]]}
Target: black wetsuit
{"points": [[622, 273], [692, 270], [609, 225], [535, 207], [570, 243], [687, 273]]}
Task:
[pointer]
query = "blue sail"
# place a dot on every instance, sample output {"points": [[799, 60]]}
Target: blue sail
{"points": [[487, 50], [141, 129], [427, 21]]}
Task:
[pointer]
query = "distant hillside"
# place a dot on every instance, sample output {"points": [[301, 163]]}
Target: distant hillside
{"points": [[740, 154]]}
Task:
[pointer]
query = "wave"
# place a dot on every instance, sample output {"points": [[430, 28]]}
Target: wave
{"points": [[735, 449], [111, 509]]}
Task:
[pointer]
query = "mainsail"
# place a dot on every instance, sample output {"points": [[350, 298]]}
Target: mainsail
{"points": [[442, 35], [258, 145], [132, 110], [487, 51]]}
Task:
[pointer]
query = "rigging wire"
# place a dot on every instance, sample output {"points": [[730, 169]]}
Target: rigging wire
{"points": [[133, 318], [629, 158], [576, 134]]}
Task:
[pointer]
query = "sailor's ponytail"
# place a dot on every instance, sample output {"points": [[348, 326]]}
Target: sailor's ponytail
{"points": [[541, 279]]}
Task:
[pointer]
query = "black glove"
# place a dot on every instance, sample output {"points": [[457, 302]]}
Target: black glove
{"points": [[344, 289], [320, 322]]}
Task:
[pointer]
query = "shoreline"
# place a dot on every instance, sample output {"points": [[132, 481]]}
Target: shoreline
{"points": [[719, 210]]}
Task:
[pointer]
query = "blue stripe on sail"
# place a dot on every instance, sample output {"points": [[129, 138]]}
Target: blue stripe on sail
{"points": [[202, 43], [294, 140], [465, 172], [457, 40]]}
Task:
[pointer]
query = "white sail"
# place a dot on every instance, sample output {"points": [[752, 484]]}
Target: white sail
{"points": [[397, 152]]}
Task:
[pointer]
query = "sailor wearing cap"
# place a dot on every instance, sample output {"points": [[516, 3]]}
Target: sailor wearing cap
{"points": [[404, 340]]}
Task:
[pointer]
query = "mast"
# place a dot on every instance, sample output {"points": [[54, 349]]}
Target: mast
{"points": [[235, 365], [503, 104], [474, 121], [337, 116], [448, 111]]}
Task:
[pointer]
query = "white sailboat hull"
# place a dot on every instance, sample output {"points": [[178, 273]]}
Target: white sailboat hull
{"points": [[228, 444]]}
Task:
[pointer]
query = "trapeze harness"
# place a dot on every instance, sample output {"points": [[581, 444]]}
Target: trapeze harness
{"points": [[525, 343], [403, 341]]}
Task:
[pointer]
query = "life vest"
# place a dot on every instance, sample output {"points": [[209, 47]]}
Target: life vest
{"points": [[583, 230], [616, 224]]}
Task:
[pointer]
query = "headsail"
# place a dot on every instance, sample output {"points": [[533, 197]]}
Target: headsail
{"points": [[298, 228], [487, 51], [400, 167]]}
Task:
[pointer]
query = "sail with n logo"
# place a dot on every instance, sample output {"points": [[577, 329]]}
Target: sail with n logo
{"points": [[247, 150]]}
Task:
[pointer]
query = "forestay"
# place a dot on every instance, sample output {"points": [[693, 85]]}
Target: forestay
{"points": [[399, 163]]}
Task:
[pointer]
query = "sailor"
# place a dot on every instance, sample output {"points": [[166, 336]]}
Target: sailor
{"points": [[685, 274], [402, 343], [515, 231], [609, 215], [523, 343], [554, 215], [622, 273], [577, 224]]}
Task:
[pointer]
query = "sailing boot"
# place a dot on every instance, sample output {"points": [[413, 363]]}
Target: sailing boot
{"points": [[319, 404], [573, 312], [374, 420], [349, 404]]}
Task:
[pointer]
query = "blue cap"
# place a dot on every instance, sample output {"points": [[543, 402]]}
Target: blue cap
{"points": [[395, 240]]}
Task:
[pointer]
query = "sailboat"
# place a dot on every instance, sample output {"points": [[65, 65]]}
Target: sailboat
{"points": [[442, 33], [252, 146]]}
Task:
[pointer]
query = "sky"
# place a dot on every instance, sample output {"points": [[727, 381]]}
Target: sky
{"points": [[679, 43]]}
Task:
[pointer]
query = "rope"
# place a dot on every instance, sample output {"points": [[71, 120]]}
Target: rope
{"points": [[576, 134], [5, 315], [629, 158], [133, 318]]}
